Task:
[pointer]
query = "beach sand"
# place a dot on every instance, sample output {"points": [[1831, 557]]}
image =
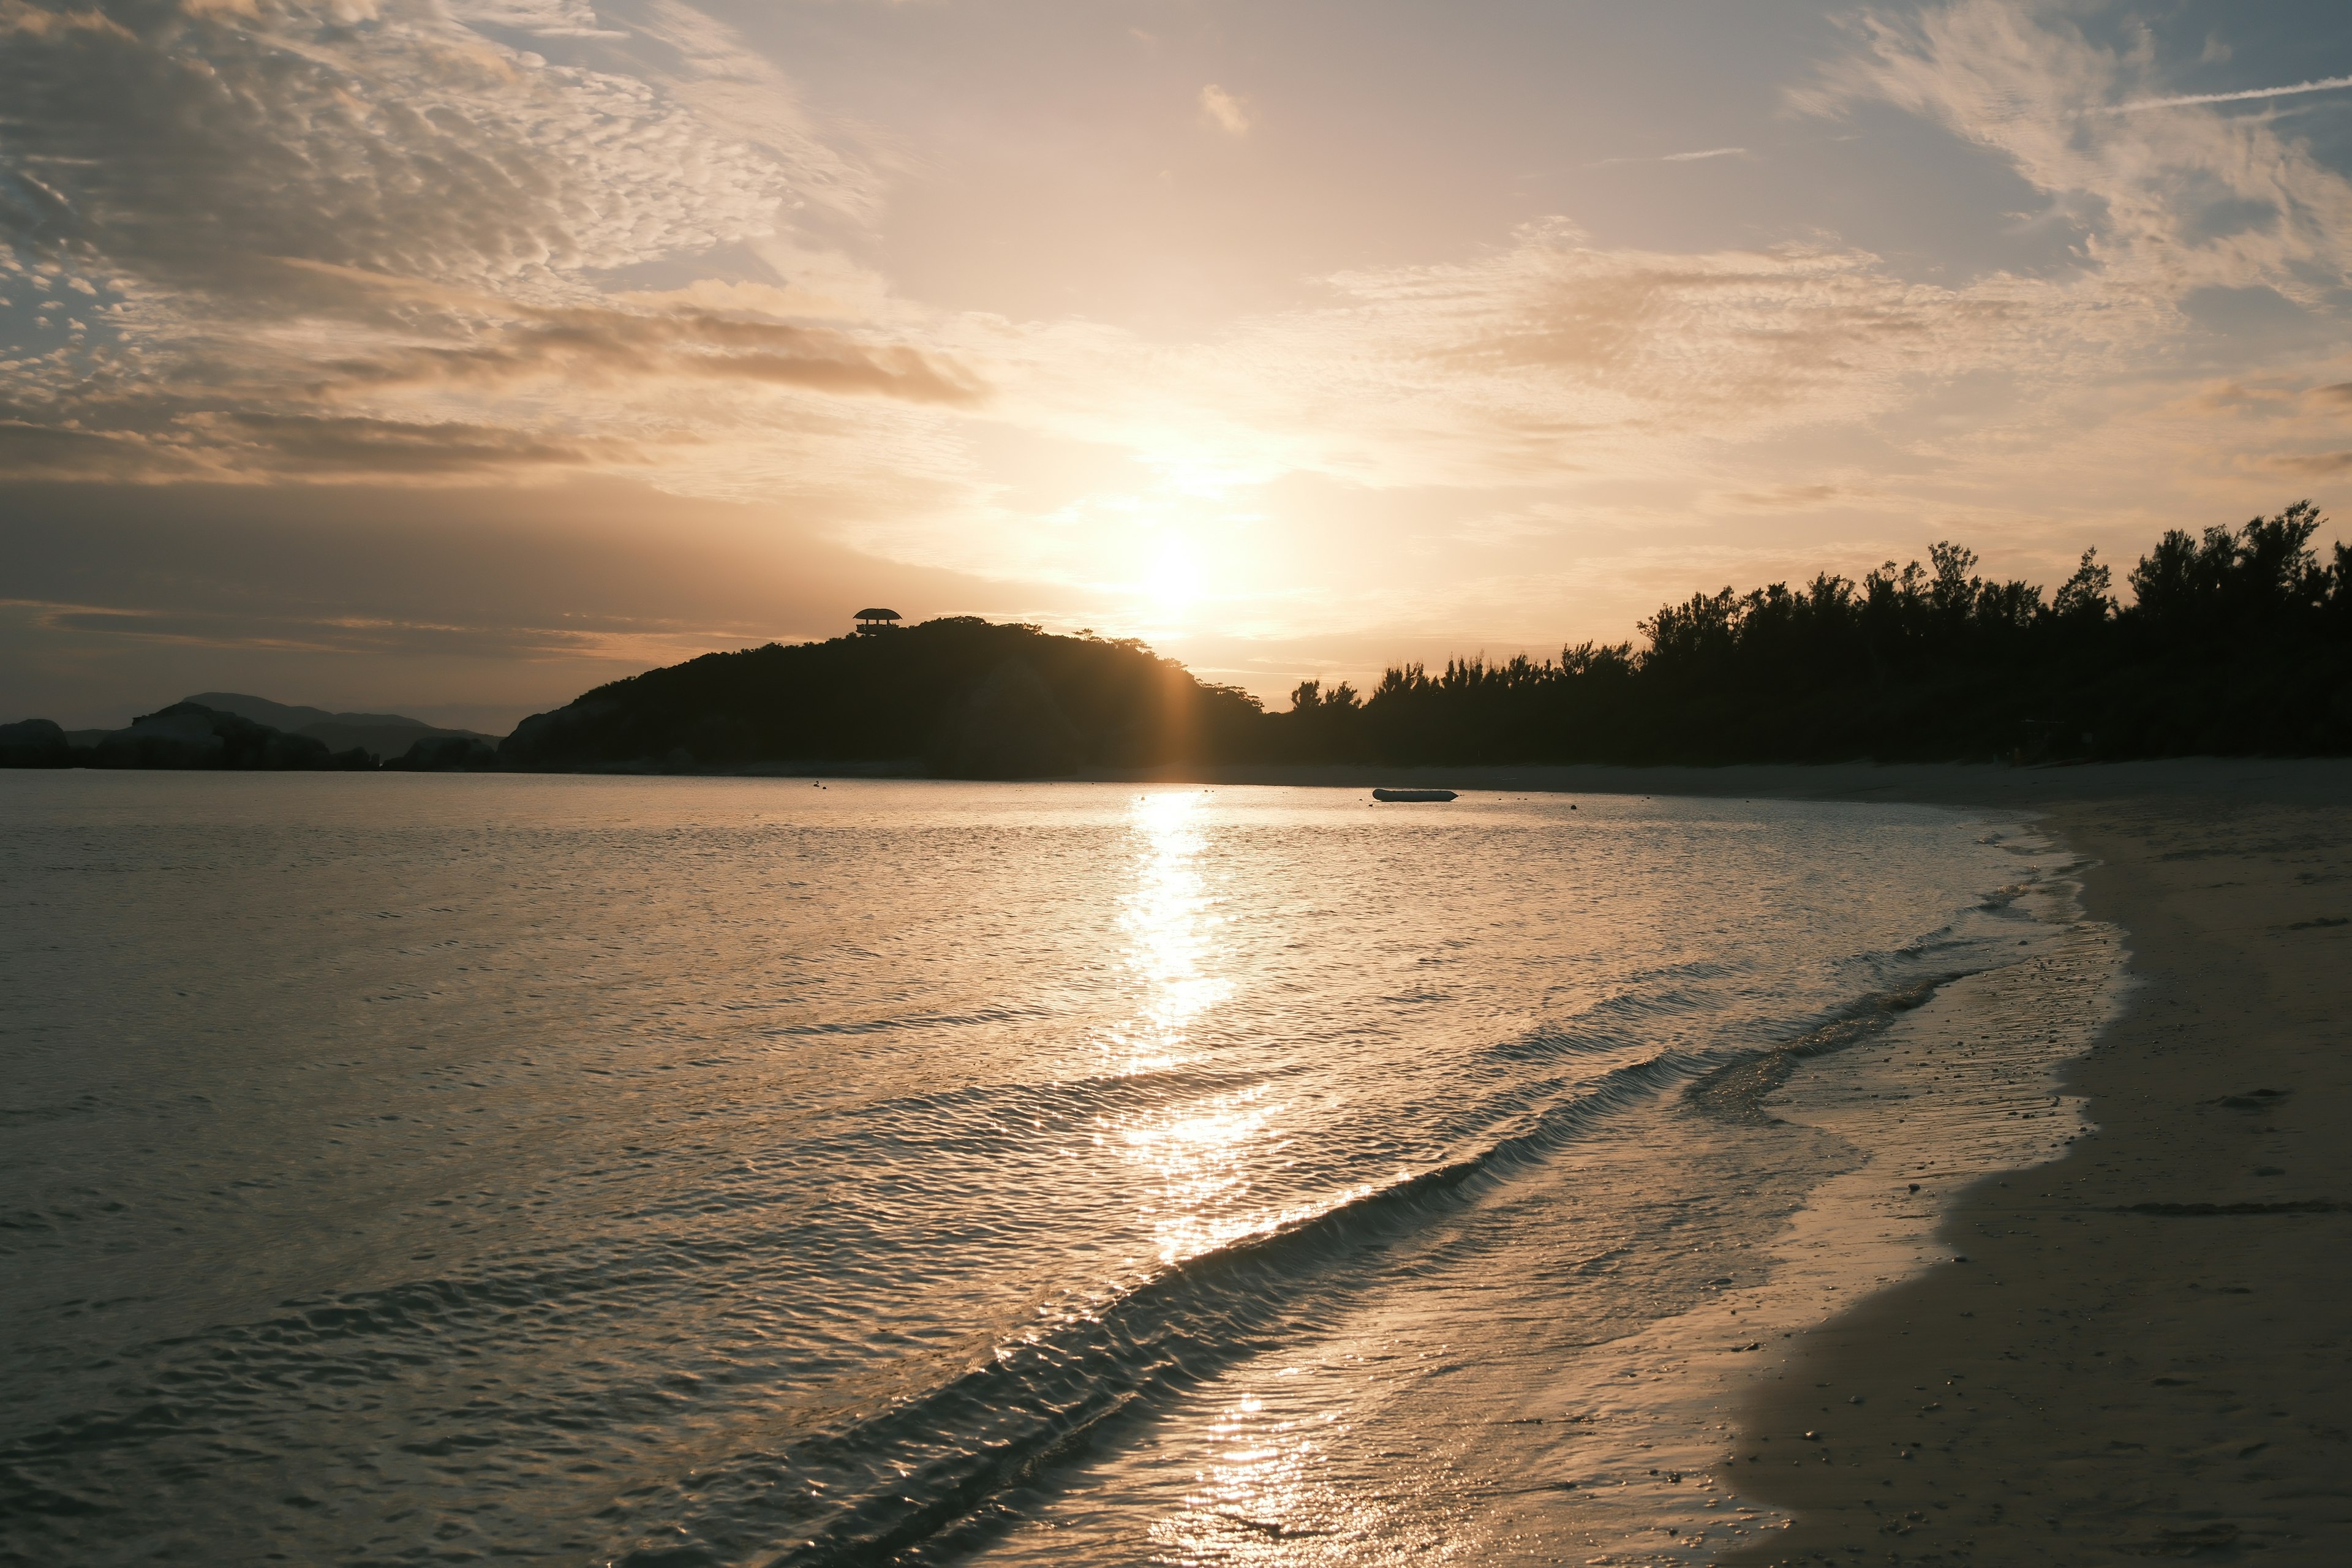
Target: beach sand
{"points": [[2145, 1353]]}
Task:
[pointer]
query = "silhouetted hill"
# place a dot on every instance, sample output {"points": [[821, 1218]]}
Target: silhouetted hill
{"points": [[287, 716], [965, 697], [33, 743], [2236, 641], [193, 735], [190, 735], [385, 736]]}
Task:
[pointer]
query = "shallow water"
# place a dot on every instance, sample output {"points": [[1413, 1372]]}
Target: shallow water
{"points": [[581, 1170]]}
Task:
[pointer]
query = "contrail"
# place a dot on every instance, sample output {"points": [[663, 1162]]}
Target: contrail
{"points": [[1675, 157], [2326, 84]]}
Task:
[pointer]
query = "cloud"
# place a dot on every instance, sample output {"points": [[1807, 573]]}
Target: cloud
{"points": [[589, 345], [732, 90], [34, 448], [1224, 111], [429, 216], [184, 148], [1788, 498], [308, 442], [539, 18], [245, 629], [255, 205], [1683, 389], [2172, 202], [1540, 361], [2316, 464]]}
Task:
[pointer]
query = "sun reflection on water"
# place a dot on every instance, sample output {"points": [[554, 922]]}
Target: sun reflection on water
{"points": [[1265, 1492], [1262, 1491], [1168, 920], [1197, 1154]]}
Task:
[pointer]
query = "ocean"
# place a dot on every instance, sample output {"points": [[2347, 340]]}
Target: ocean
{"points": [[669, 1172]]}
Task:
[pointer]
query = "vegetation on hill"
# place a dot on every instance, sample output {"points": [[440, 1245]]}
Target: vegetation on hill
{"points": [[2238, 641], [215, 736], [392, 739], [966, 697], [2235, 641], [190, 735]]}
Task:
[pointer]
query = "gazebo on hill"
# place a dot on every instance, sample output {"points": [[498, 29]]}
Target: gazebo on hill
{"points": [[877, 620]]}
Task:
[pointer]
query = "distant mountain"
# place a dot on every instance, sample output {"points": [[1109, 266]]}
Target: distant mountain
{"points": [[187, 735], [385, 736]]}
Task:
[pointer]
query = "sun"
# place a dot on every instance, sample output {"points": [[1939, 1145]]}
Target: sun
{"points": [[1173, 574]]}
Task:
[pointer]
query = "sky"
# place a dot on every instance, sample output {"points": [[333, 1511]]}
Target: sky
{"points": [[450, 357]]}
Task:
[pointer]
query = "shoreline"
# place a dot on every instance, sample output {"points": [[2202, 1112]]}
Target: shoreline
{"points": [[1652, 1463], [2104, 1377], [2144, 1355]]}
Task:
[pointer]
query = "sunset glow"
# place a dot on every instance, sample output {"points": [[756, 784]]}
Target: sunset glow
{"points": [[1049, 784], [491, 350]]}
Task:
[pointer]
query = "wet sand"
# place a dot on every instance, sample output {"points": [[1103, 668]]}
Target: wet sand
{"points": [[2146, 1352], [1648, 1462]]}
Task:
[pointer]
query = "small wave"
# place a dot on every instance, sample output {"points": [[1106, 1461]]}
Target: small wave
{"points": [[918, 1021], [947, 1464], [1620, 1020], [1736, 1091], [944, 1466], [1074, 1098]]}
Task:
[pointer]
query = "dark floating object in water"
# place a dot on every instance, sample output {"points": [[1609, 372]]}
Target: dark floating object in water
{"points": [[1409, 795]]}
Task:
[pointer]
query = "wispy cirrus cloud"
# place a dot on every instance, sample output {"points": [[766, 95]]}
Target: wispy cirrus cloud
{"points": [[2173, 201]]}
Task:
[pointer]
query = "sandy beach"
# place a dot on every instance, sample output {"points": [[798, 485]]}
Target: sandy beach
{"points": [[2143, 1353]]}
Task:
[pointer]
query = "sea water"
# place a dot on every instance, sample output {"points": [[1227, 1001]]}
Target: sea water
{"points": [[673, 1171]]}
